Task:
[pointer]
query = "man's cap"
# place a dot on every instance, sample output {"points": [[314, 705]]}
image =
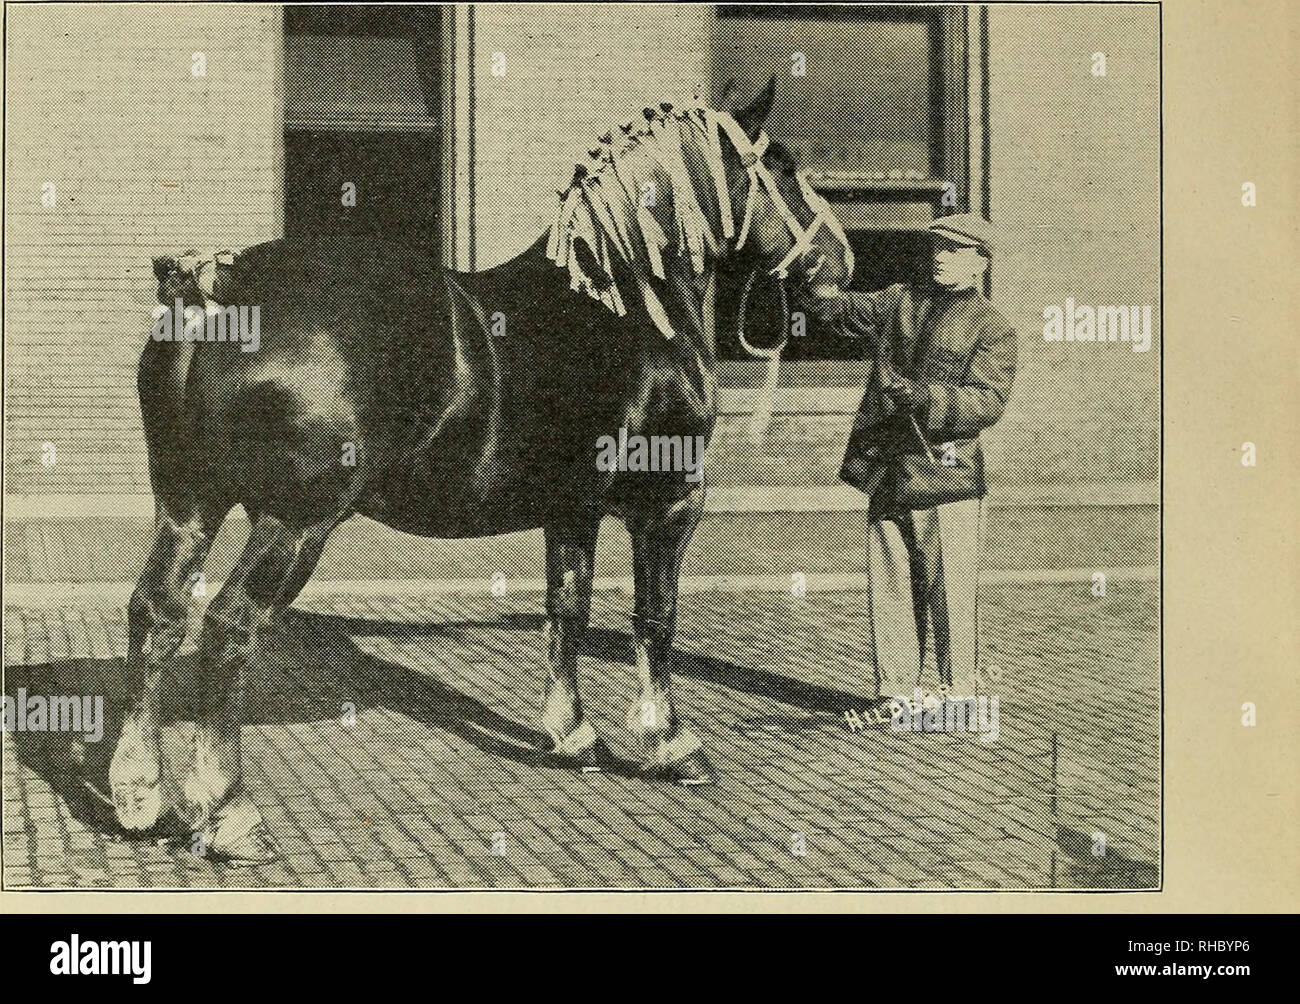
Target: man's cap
{"points": [[967, 229]]}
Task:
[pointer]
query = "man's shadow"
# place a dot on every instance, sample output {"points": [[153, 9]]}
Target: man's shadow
{"points": [[311, 669], [1109, 870]]}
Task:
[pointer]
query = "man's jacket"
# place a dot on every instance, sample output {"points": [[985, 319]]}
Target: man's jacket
{"points": [[963, 352]]}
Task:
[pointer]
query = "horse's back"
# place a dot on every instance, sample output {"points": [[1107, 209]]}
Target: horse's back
{"points": [[447, 404]]}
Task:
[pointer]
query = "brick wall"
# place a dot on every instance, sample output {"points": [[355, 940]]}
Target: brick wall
{"points": [[572, 72], [94, 105], [1074, 187], [145, 158], [1074, 165]]}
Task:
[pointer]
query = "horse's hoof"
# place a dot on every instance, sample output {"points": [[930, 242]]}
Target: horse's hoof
{"points": [[693, 770], [138, 804], [257, 847], [590, 759], [237, 834], [595, 758], [583, 749], [139, 796], [135, 781]]}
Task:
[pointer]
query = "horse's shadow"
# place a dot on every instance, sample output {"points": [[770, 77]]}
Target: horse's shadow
{"points": [[615, 647], [313, 670]]}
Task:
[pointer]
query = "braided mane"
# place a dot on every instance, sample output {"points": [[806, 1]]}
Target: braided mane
{"points": [[608, 204]]}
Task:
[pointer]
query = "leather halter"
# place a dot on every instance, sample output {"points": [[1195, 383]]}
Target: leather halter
{"points": [[751, 156], [823, 216]]}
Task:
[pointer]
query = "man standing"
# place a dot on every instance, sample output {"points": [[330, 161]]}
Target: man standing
{"points": [[943, 360]]}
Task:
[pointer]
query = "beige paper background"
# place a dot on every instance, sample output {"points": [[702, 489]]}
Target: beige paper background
{"points": [[1230, 594]]}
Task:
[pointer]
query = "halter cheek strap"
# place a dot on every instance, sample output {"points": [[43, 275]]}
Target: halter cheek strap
{"points": [[823, 216], [752, 158]]}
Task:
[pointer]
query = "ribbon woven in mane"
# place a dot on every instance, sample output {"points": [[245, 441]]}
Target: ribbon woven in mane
{"points": [[607, 206]]}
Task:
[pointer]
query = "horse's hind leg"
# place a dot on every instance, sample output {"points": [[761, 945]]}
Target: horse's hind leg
{"points": [[570, 556], [658, 546], [277, 561], [156, 617]]}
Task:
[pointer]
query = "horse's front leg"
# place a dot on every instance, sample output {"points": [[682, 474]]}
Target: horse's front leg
{"points": [[658, 545], [570, 556]]}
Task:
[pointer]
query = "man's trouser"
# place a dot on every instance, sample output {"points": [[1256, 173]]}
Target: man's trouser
{"points": [[923, 567]]}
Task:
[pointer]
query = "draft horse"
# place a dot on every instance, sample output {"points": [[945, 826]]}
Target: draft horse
{"points": [[452, 404]]}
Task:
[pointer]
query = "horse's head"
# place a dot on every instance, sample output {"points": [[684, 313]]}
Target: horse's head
{"points": [[688, 185], [792, 227]]}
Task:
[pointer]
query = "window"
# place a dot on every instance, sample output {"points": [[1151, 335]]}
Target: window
{"points": [[879, 119], [359, 87]]}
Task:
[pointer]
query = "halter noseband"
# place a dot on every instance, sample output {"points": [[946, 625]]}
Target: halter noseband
{"points": [[751, 156]]}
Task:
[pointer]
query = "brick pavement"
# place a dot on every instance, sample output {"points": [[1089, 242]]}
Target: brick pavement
{"points": [[110, 547], [442, 761]]}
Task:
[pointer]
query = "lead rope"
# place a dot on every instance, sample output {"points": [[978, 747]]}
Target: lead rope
{"points": [[823, 216], [760, 419]]}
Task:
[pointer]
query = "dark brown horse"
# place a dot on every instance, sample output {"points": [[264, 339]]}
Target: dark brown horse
{"points": [[452, 405]]}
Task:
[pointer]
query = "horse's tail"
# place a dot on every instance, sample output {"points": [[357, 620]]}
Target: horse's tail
{"points": [[164, 374]]}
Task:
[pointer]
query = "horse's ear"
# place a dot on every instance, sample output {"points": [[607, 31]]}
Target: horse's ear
{"points": [[162, 267], [753, 115]]}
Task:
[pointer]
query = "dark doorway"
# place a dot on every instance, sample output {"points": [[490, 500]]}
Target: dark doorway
{"points": [[395, 183], [361, 140]]}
